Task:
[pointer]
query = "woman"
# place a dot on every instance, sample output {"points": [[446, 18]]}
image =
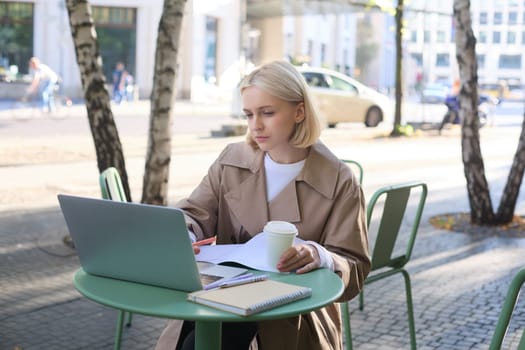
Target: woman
{"points": [[284, 173]]}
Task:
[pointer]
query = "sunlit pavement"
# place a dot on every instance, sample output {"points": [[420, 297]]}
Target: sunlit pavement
{"points": [[459, 280]]}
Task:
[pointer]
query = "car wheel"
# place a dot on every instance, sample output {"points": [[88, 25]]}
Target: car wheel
{"points": [[331, 125], [373, 117]]}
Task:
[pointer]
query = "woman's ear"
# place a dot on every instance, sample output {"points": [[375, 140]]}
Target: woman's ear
{"points": [[299, 112]]}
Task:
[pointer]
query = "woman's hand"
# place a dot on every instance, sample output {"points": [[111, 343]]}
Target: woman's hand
{"points": [[299, 258]]}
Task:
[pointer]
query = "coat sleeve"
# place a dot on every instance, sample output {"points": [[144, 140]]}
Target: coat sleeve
{"points": [[201, 207], [346, 237]]}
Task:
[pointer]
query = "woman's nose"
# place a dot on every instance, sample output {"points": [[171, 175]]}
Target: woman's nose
{"points": [[257, 123]]}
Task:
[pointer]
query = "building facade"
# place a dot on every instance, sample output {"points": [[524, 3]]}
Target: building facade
{"points": [[220, 41], [499, 27]]}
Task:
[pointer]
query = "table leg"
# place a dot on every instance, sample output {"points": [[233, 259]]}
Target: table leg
{"points": [[208, 335], [118, 333]]}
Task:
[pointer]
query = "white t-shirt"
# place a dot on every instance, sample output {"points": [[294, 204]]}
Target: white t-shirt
{"points": [[45, 73], [277, 177]]}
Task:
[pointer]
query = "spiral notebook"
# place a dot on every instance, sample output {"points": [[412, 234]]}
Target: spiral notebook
{"points": [[251, 298]]}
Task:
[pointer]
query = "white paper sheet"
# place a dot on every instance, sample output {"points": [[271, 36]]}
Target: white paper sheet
{"points": [[251, 254]]}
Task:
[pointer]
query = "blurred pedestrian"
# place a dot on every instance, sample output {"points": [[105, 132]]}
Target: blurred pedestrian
{"points": [[45, 81], [119, 82]]}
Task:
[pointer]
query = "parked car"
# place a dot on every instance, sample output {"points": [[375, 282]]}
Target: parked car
{"points": [[340, 99], [434, 93]]}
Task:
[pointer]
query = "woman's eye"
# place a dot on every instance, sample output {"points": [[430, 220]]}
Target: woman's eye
{"points": [[267, 113], [248, 115]]}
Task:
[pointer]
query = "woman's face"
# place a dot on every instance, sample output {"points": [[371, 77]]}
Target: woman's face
{"points": [[271, 122]]}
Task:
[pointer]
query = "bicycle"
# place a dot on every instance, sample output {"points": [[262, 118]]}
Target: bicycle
{"points": [[30, 107]]}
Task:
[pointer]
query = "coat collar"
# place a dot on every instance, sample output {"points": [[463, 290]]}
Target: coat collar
{"points": [[248, 201]]}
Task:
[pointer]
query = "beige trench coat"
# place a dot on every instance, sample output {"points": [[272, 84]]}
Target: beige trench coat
{"points": [[325, 202]]}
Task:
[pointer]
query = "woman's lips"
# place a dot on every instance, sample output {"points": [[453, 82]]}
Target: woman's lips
{"points": [[261, 138]]}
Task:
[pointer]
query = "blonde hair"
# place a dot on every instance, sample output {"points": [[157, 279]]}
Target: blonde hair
{"points": [[282, 80]]}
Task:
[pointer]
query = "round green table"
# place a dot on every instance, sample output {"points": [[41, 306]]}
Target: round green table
{"points": [[168, 303]]}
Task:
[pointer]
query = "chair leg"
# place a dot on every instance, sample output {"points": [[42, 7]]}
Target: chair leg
{"points": [[128, 322], [118, 334], [345, 316], [410, 309], [362, 299]]}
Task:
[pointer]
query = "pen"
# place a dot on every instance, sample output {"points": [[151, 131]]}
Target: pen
{"points": [[240, 281], [203, 242], [216, 284]]}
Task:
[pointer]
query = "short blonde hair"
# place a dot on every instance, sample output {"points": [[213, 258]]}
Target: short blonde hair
{"points": [[282, 80]]}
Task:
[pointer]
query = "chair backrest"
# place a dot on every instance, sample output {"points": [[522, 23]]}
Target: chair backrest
{"points": [[506, 313], [111, 185], [396, 199], [355, 165]]}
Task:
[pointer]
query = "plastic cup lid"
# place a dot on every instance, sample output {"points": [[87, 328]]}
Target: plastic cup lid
{"points": [[280, 227]]}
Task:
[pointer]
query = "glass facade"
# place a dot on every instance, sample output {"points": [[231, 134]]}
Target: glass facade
{"points": [[116, 32], [16, 38]]}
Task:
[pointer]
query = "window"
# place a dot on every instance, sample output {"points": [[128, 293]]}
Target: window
{"points": [[523, 38], [511, 38], [482, 37], [418, 58], [315, 79], [323, 53], [496, 37], [210, 58], [413, 36], [509, 61], [498, 17], [440, 36], [483, 18], [481, 60], [116, 31], [16, 35], [426, 36], [513, 17], [341, 85], [442, 60]]}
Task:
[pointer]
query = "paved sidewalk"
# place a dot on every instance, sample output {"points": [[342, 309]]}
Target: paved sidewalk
{"points": [[459, 281]]}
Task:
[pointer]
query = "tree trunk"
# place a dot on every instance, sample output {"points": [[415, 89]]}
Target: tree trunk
{"points": [[508, 200], [399, 67], [481, 211], [103, 129], [156, 172]]}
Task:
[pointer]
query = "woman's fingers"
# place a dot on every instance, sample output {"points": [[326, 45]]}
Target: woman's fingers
{"points": [[301, 258]]}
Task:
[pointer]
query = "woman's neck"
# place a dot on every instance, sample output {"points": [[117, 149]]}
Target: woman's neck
{"points": [[291, 155]]}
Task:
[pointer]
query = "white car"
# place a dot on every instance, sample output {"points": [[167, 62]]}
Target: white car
{"points": [[339, 99]]}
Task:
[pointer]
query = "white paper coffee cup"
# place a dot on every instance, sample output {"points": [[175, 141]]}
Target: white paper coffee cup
{"points": [[279, 237]]}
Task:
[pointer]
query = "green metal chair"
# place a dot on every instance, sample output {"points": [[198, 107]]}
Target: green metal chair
{"points": [[111, 185], [345, 315], [355, 165], [385, 261], [111, 188], [506, 313]]}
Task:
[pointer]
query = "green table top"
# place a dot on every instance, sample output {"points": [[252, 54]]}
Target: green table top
{"points": [[168, 303]]}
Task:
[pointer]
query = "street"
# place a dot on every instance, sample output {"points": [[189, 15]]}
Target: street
{"points": [[61, 152]]}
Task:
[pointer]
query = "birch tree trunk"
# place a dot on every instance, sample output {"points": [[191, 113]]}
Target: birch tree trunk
{"points": [[509, 198], [103, 129], [481, 211], [156, 172], [399, 67]]}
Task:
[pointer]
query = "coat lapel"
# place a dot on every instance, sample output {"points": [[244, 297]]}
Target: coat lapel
{"points": [[247, 201]]}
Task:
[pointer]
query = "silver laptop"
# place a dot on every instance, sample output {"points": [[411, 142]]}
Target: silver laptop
{"points": [[137, 242]]}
